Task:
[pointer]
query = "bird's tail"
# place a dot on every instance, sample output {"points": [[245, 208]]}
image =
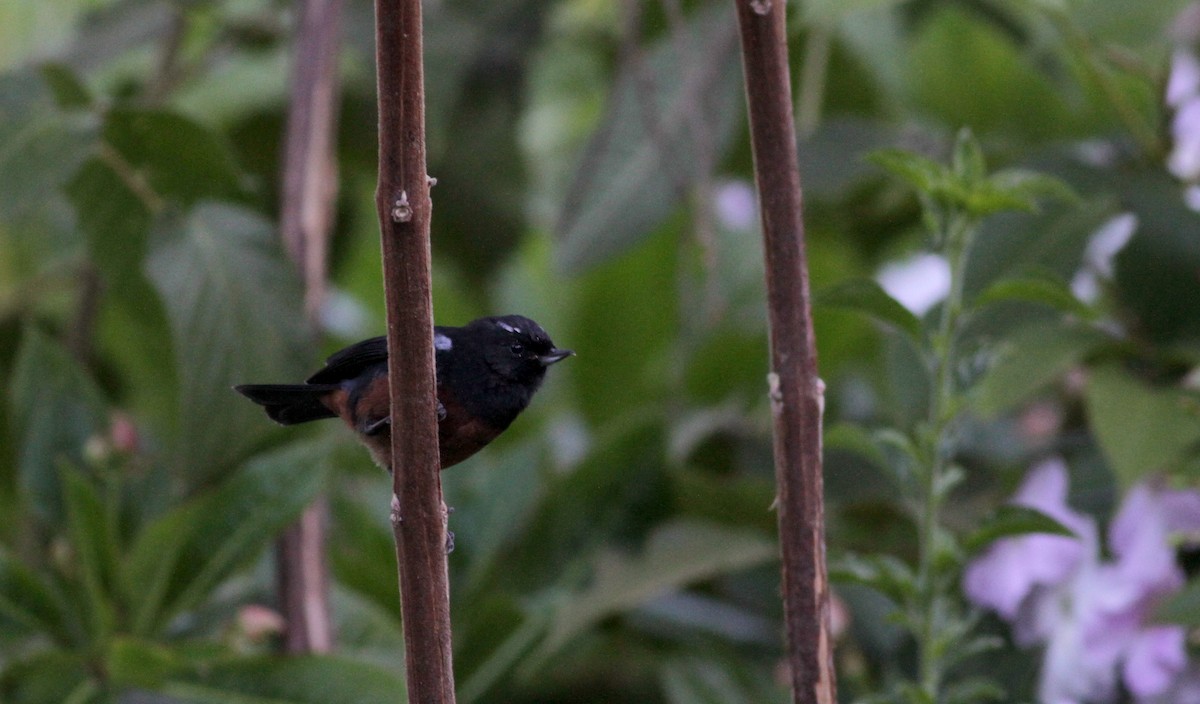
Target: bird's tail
{"points": [[289, 404]]}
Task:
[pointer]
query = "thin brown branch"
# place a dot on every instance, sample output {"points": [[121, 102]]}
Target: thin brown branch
{"points": [[419, 515], [306, 215], [797, 394], [309, 163]]}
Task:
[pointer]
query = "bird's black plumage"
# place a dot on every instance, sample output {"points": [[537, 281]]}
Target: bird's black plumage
{"points": [[487, 372]]}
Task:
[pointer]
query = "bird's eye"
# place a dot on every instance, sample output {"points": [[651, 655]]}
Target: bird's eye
{"points": [[517, 348]]}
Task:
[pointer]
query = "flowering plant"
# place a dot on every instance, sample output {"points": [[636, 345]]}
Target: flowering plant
{"points": [[1095, 615]]}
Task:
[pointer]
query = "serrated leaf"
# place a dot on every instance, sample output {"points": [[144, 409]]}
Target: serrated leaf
{"points": [[1043, 290], [867, 296], [179, 558], [308, 679], [922, 173], [1141, 429], [234, 304], [676, 555], [638, 166], [1011, 520], [885, 574]]}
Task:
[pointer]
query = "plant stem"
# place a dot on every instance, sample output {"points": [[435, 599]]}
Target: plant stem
{"points": [[796, 392], [939, 448]]}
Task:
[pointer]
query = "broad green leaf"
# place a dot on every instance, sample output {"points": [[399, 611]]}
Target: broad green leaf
{"points": [[234, 305], [677, 554], [40, 145], [1040, 289], [55, 407], [114, 218], [181, 557], [1141, 429], [155, 144], [308, 679], [365, 561], [640, 163], [1156, 271], [1029, 361], [866, 296], [1008, 521]]}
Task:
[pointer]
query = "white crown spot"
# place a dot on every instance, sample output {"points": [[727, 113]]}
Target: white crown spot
{"points": [[441, 342], [509, 328]]}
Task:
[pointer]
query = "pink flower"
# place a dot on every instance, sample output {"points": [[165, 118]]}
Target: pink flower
{"points": [[1092, 615]]}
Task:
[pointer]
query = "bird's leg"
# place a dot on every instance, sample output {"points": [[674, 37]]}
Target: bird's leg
{"points": [[376, 427]]}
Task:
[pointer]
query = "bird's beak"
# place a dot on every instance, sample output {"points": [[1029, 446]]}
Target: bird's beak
{"points": [[555, 355]]}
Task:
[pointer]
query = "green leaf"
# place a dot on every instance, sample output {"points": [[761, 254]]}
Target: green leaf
{"points": [[884, 573], [706, 680], [967, 162], [154, 144], [640, 162], [1039, 289], [922, 173], [1030, 360], [181, 557], [866, 296], [676, 555], [1010, 520], [55, 408], [29, 602], [135, 663], [92, 532], [48, 677], [1182, 608], [234, 305], [40, 145], [1140, 429], [309, 679]]}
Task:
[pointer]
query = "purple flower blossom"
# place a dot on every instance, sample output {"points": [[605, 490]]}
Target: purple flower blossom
{"points": [[1092, 614]]}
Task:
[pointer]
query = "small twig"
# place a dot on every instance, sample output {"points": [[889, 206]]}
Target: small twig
{"points": [[796, 392], [420, 532]]}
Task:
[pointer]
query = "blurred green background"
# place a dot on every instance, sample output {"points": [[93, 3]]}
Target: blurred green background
{"points": [[617, 544]]}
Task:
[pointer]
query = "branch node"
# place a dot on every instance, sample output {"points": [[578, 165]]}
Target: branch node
{"points": [[401, 210], [397, 519], [773, 389], [760, 7], [431, 180]]}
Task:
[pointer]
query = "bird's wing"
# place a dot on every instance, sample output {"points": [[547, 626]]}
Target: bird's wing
{"points": [[351, 361]]}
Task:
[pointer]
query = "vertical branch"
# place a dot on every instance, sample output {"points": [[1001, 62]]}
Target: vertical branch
{"points": [[797, 394], [419, 516], [306, 215]]}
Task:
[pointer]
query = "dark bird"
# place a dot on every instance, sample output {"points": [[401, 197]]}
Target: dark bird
{"points": [[487, 372]]}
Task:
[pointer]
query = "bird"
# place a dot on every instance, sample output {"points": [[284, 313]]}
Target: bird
{"points": [[487, 372]]}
